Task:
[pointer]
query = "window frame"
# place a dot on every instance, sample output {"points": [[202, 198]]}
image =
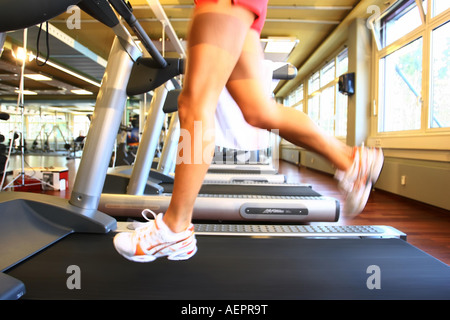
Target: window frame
{"points": [[426, 139], [308, 94], [333, 83]]}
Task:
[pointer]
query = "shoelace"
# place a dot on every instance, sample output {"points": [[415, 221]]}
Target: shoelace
{"points": [[144, 233], [144, 214]]}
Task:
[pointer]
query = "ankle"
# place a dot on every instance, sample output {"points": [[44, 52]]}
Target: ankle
{"points": [[174, 224]]}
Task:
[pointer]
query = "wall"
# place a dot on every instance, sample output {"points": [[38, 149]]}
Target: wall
{"points": [[425, 181]]}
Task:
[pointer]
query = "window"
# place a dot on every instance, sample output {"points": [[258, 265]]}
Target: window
{"points": [[80, 125], [314, 83], [35, 129], [440, 6], [401, 19], [414, 70], [328, 73], [14, 124], [440, 77], [341, 115], [326, 106], [326, 110], [401, 82], [49, 128], [295, 98], [342, 63]]}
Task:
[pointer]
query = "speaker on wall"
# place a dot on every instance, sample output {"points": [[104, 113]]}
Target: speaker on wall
{"points": [[347, 83]]}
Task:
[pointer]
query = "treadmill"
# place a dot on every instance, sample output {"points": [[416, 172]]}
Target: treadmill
{"points": [[165, 101], [43, 238], [260, 264], [235, 155], [244, 197]]}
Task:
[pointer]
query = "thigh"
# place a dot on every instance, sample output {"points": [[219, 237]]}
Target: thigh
{"points": [[258, 7], [249, 83], [216, 37]]}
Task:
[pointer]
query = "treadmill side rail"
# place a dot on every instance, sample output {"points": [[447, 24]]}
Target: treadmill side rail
{"points": [[210, 207]]}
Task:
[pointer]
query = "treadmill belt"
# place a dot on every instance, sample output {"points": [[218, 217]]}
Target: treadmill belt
{"points": [[238, 268]]}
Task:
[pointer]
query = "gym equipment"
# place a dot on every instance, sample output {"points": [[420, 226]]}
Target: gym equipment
{"points": [[125, 186], [3, 158], [129, 190], [45, 136], [76, 146], [11, 288], [75, 234], [45, 219], [4, 116], [348, 263]]}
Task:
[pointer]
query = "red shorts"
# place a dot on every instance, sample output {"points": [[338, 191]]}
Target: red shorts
{"points": [[258, 7]]}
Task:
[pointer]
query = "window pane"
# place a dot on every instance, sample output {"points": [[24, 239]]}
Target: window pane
{"points": [[341, 115], [80, 125], [440, 78], [326, 116], [314, 83], [440, 6], [342, 63], [288, 100], [35, 123], [313, 108], [295, 97], [299, 94], [328, 74], [399, 22], [400, 88]]}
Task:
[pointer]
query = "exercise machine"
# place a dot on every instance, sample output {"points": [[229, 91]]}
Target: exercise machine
{"points": [[3, 158], [130, 189], [77, 236], [45, 219], [256, 262]]}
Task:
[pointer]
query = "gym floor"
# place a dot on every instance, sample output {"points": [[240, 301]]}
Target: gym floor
{"points": [[426, 226]]}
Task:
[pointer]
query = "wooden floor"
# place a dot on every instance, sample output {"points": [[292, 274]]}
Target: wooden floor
{"points": [[427, 227]]}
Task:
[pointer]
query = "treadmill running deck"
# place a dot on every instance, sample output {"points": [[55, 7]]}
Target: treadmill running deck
{"points": [[230, 267]]}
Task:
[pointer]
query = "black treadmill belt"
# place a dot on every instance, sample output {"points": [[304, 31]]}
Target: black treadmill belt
{"points": [[239, 268], [252, 189]]}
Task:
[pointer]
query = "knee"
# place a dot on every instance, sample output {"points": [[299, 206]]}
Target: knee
{"points": [[183, 106], [264, 119], [192, 107]]}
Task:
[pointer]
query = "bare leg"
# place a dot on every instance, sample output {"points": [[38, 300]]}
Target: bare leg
{"points": [[246, 87], [216, 38]]}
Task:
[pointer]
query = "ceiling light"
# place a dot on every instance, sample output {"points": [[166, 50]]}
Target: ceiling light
{"points": [[21, 54], [37, 77], [280, 45], [27, 92], [81, 92], [61, 68]]}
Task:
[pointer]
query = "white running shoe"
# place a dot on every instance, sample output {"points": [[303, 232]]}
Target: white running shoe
{"points": [[154, 239], [357, 181]]}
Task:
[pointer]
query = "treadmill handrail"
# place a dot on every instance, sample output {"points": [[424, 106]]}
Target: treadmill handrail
{"points": [[125, 10]]}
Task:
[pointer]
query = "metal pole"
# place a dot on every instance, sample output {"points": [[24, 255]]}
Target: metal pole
{"points": [[111, 101], [168, 154], [149, 142]]}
